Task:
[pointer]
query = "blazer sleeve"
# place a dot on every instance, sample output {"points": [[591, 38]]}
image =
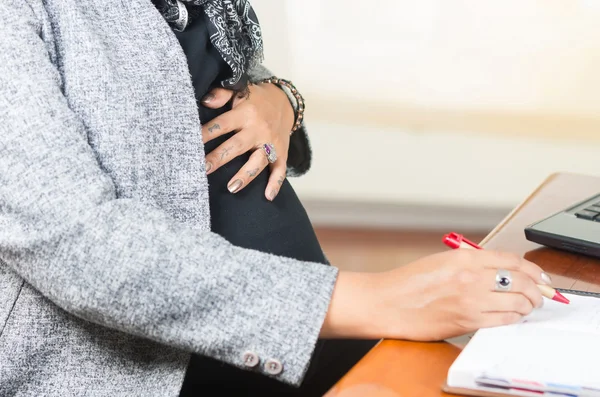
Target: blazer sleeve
{"points": [[124, 264], [299, 154]]}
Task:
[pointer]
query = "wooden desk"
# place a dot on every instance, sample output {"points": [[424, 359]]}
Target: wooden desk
{"points": [[412, 369]]}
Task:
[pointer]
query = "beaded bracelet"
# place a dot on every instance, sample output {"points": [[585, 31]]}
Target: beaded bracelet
{"points": [[299, 108]]}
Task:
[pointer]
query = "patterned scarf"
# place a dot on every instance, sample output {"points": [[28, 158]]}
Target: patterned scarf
{"points": [[234, 31]]}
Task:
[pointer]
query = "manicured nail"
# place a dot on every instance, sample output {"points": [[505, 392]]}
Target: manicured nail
{"points": [[208, 167], [546, 278], [208, 98], [235, 186]]}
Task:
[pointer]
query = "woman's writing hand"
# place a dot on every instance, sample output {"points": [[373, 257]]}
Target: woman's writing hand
{"points": [[264, 117], [437, 297]]}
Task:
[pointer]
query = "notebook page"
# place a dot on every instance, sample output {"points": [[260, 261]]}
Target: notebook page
{"points": [[582, 314], [556, 333], [554, 356]]}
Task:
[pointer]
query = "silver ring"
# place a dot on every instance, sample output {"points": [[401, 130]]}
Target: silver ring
{"points": [[270, 152], [503, 281]]}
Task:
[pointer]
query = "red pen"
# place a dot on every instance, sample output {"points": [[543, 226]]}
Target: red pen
{"points": [[455, 240]]}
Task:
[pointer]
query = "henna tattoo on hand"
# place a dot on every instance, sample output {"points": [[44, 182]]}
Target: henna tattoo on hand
{"points": [[214, 127], [252, 172], [225, 152]]}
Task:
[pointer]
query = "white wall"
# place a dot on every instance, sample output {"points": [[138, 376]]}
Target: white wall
{"points": [[540, 55], [457, 103]]}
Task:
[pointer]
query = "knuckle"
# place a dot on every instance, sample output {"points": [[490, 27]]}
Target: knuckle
{"points": [[537, 302], [263, 125], [540, 303], [251, 111], [226, 94], [526, 266], [535, 296], [236, 142], [510, 318], [524, 306], [260, 157], [533, 270], [527, 285], [522, 280], [280, 168], [535, 267], [515, 259]]}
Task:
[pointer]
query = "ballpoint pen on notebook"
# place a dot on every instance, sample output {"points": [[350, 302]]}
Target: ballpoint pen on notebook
{"points": [[455, 240]]}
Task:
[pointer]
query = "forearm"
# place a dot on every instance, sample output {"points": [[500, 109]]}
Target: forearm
{"points": [[373, 306], [127, 266]]}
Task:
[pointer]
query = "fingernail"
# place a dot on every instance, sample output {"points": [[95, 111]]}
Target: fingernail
{"points": [[272, 195], [208, 98], [546, 278], [235, 186], [208, 167]]}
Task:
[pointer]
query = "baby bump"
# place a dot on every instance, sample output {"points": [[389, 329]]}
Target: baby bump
{"points": [[249, 220]]}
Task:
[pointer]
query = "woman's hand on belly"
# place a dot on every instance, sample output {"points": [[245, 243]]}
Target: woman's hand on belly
{"points": [[265, 116]]}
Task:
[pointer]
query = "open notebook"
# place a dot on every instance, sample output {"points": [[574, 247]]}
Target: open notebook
{"points": [[555, 351]]}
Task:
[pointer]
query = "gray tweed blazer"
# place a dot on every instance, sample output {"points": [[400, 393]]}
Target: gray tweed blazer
{"points": [[109, 274]]}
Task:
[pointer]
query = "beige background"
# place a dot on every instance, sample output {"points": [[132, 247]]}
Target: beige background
{"points": [[459, 108]]}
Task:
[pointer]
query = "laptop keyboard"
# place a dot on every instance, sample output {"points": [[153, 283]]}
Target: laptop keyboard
{"points": [[591, 213]]}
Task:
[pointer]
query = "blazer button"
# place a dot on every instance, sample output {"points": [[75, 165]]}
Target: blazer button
{"points": [[273, 367], [250, 359]]}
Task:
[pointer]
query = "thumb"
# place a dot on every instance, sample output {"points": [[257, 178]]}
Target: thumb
{"points": [[217, 98]]}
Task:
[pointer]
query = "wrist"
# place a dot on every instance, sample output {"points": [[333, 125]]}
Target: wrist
{"points": [[372, 306], [353, 310], [295, 98], [286, 107]]}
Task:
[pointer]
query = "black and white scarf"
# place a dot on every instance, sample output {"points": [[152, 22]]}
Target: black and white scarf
{"points": [[233, 28]]}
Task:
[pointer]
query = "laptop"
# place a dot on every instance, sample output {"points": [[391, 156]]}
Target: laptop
{"points": [[575, 229]]}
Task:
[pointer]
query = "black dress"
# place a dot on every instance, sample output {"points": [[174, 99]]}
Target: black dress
{"points": [[247, 219]]}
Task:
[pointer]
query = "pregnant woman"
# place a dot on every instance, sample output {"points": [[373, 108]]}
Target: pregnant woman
{"points": [[150, 244]]}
